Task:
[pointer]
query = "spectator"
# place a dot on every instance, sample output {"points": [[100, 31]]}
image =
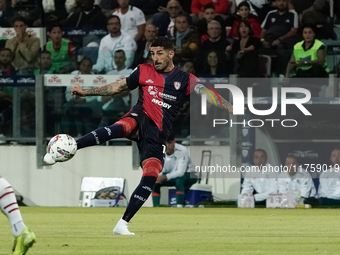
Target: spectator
{"points": [[176, 172], [309, 56], [197, 7], [80, 114], [115, 40], [144, 45], [213, 64], [260, 181], [132, 19], [119, 59], [209, 14], [89, 17], [165, 21], [259, 8], [279, 26], [114, 107], [311, 12], [189, 67], [4, 22], [54, 11], [245, 51], [25, 47], [185, 38], [45, 63], [62, 51], [244, 14], [296, 181], [329, 191], [6, 68], [215, 42]]}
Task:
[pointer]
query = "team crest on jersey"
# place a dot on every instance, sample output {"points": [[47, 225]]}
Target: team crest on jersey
{"points": [[177, 85]]}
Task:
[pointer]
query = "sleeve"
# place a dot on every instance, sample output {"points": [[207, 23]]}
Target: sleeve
{"points": [[10, 45], [100, 65], [306, 187], [265, 23], [296, 20], [71, 50], [283, 186], [247, 186], [133, 80], [273, 188], [195, 7], [233, 30], [181, 167], [322, 190], [221, 6], [69, 5], [30, 53], [193, 84], [256, 29], [140, 19]]}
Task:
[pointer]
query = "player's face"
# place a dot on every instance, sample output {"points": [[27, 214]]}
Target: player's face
{"points": [[56, 34], [259, 158], [174, 9], [335, 157], [209, 14], [214, 31], [308, 34], [20, 27], [150, 33], [161, 58], [85, 67], [45, 60], [5, 57], [119, 59], [292, 165], [170, 147], [244, 12], [123, 3], [113, 26], [181, 24]]}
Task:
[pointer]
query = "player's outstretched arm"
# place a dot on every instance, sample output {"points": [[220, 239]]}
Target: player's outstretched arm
{"points": [[225, 103], [106, 90]]}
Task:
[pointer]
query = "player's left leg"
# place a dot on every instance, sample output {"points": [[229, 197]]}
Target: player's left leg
{"points": [[151, 168], [24, 238]]}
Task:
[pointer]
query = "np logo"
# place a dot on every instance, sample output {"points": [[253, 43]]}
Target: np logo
{"points": [[177, 85], [244, 153], [54, 79], [153, 91], [245, 132], [9, 33], [6, 80], [77, 79], [26, 80], [99, 80]]}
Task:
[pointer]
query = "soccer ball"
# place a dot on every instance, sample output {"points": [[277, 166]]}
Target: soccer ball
{"points": [[62, 147]]}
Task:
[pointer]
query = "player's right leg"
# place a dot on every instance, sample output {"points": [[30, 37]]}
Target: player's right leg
{"points": [[120, 129], [23, 238]]}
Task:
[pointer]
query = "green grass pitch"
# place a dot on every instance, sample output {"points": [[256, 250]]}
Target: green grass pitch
{"points": [[180, 231]]}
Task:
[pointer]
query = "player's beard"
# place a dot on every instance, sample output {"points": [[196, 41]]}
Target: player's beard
{"points": [[162, 68]]}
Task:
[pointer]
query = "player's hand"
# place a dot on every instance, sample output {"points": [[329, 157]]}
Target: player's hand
{"points": [[76, 90], [161, 179]]}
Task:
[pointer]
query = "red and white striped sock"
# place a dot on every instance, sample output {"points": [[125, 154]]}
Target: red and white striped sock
{"points": [[9, 206]]}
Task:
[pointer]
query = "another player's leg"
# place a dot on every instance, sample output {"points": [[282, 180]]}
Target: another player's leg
{"points": [[121, 128], [23, 238], [151, 168], [156, 192]]}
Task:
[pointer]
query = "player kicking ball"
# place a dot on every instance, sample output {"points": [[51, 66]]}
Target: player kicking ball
{"points": [[162, 90], [23, 238]]}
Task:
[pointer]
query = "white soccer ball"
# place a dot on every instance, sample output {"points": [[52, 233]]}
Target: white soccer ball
{"points": [[62, 147]]}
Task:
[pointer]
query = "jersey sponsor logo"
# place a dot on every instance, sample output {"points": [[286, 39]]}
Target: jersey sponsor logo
{"points": [[153, 91], [77, 80], [139, 197], [177, 85], [273, 20], [161, 103], [149, 81], [167, 96]]}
